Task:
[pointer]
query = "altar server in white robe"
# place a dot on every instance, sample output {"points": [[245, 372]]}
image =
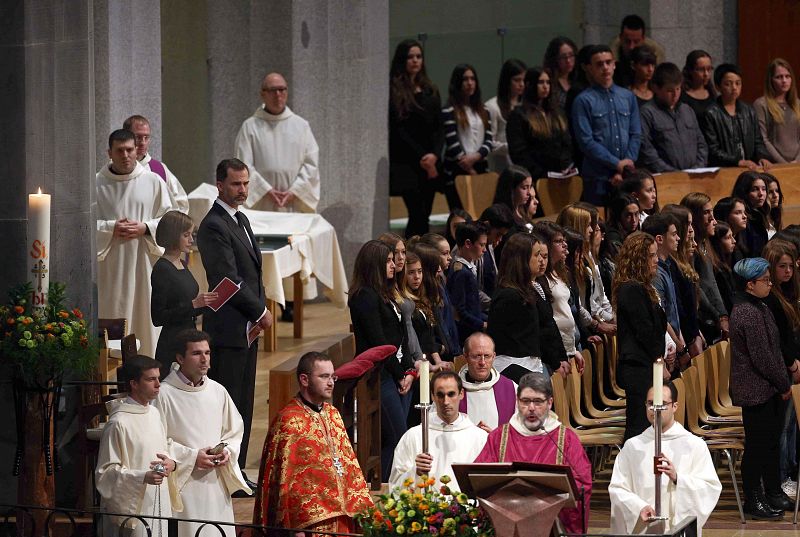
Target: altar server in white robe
{"points": [[689, 482], [452, 438], [199, 414], [130, 203], [282, 154], [134, 441], [140, 127]]}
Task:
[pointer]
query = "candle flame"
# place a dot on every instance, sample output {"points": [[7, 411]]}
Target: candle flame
{"points": [[40, 191]]}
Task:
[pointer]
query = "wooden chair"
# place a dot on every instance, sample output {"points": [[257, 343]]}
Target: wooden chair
{"points": [[459, 362], [476, 191], [600, 374], [727, 441], [113, 328], [576, 413], [588, 395], [611, 355], [695, 407], [594, 436], [701, 363], [680, 412], [554, 194], [724, 361], [713, 388]]}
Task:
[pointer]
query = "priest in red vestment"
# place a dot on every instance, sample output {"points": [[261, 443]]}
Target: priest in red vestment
{"points": [[535, 435], [310, 478]]}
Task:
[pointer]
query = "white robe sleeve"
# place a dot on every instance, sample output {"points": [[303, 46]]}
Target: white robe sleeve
{"points": [[105, 237], [179, 200], [121, 487], [404, 463], [625, 504], [698, 487], [231, 474], [161, 204], [306, 186], [243, 150]]}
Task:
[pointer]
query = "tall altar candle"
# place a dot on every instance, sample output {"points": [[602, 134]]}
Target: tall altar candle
{"points": [[424, 383], [39, 246], [658, 382]]}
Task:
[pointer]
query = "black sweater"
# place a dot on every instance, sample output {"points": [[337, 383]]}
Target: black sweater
{"points": [[641, 325], [520, 329], [376, 322], [537, 154]]}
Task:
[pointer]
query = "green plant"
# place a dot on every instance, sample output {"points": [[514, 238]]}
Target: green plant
{"points": [[421, 509], [44, 343]]}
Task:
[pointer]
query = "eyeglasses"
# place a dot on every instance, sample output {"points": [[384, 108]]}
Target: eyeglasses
{"points": [[538, 403], [767, 280], [141, 137], [650, 403], [327, 376], [567, 56], [281, 89], [560, 241], [477, 357]]}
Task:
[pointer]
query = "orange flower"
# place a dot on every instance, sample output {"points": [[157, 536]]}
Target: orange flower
{"points": [[77, 313], [10, 320], [18, 309], [63, 314]]}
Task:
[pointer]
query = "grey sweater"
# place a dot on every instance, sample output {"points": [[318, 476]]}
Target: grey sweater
{"points": [[782, 139]]}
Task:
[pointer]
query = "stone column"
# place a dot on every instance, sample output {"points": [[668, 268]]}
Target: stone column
{"points": [[335, 58], [48, 138], [127, 51]]}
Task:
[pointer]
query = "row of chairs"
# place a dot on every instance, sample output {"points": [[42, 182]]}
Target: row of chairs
{"points": [[477, 193]]}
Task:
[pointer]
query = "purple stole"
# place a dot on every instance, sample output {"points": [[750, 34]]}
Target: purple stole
{"points": [[158, 168], [504, 396]]}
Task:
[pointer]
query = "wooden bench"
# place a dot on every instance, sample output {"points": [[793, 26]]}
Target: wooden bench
{"points": [[673, 186], [357, 400]]}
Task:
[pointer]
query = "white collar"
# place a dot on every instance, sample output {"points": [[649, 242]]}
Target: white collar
{"points": [[462, 422], [145, 159], [108, 174], [262, 113], [551, 423], [228, 209], [469, 265], [487, 384]]}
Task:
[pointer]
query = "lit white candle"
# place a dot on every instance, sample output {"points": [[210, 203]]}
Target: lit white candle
{"points": [[425, 383], [39, 246], [658, 382]]}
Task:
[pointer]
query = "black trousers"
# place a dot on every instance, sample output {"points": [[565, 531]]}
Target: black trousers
{"points": [[636, 379], [762, 432], [235, 369]]}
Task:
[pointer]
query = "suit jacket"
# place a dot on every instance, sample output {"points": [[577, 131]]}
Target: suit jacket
{"points": [[226, 251]]}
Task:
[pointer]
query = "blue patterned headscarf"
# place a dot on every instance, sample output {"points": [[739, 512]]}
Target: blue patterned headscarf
{"points": [[751, 268]]}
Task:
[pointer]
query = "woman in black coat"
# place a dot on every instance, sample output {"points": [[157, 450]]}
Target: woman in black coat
{"points": [[175, 302], [641, 325], [521, 321], [415, 134], [377, 321]]}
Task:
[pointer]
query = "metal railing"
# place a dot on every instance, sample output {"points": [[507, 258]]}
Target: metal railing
{"points": [[21, 520]]}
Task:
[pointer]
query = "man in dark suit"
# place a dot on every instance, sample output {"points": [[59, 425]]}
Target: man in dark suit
{"points": [[228, 248]]}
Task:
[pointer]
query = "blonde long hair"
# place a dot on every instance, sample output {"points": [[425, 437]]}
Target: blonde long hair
{"points": [[770, 95]]}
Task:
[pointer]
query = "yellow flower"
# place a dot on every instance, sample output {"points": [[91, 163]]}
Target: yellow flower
{"points": [[408, 482], [400, 529], [445, 479], [415, 527]]}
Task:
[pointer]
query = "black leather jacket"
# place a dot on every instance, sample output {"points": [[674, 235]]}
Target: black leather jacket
{"points": [[718, 128]]}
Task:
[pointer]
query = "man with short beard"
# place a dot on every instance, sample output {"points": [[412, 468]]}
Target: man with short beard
{"points": [[535, 435]]}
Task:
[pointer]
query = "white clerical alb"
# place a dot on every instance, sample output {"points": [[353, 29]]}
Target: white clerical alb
{"points": [[200, 417], [632, 485], [131, 439], [124, 265], [448, 443], [281, 152]]}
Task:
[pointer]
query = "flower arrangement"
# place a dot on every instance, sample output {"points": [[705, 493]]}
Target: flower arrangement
{"points": [[421, 509], [44, 343]]}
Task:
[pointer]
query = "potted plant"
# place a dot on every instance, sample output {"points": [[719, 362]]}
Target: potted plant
{"points": [[422, 509]]}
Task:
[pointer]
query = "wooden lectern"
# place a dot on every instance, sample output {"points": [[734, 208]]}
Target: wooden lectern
{"points": [[522, 499]]}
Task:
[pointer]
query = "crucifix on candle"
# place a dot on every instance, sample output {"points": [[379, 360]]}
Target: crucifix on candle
{"points": [[39, 246]]}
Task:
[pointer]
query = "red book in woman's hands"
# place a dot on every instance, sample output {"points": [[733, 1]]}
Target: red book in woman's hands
{"points": [[225, 290]]}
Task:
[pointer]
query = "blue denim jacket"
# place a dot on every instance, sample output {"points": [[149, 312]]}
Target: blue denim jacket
{"points": [[666, 291], [607, 128]]}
